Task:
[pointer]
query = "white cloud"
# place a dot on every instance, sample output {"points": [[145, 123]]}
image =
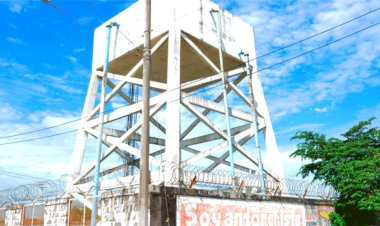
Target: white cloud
{"points": [[368, 113], [307, 126], [321, 110], [79, 50], [9, 113], [12, 65], [72, 59], [47, 158], [351, 61], [16, 41], [290, 165], [19, 6], [15, 8]]}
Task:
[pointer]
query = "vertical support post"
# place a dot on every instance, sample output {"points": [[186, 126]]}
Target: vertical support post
{"points": [[84, 215], [144, 159], [100, 129], [68, 212], [255, 124], [225, 99], [173, 124], [32, 223]]}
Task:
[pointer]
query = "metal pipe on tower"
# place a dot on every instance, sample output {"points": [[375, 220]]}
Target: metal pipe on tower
{"points": [[100, 128]]}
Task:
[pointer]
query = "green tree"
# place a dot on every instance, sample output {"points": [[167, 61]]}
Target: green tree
{"points": [[350, 164]]}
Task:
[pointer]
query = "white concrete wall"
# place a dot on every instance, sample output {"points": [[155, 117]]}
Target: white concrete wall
{"points": [[13, 216], [193, 17], [56, 212], [207, 211]]}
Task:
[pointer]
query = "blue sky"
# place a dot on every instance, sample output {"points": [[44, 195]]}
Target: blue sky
{"points": [[45, 65]]}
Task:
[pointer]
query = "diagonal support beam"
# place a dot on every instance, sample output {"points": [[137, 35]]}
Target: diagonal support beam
{"points": [[222, 144], [198, 83], [200, 53], [130, 101], [154, 85], [213, 149], [203, 118], [125, 136], [134, 151], [108, 143], [239, 93], [136, 136], [83, 200], [213, 158], [120, 92], [253, 159], [130, 74], [201, 102], [213, 136], [226, 154], [207, 111], [127, 110]]}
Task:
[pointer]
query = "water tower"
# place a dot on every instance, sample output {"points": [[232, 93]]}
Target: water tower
{"points": [[196, 58]]}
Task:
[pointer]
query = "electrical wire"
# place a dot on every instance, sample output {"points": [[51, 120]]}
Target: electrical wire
{"points": [[204, 90], [22, 178], [317, 34], [39, 130], [261, 56], [21, 175], [48, 2], [39, 138]]}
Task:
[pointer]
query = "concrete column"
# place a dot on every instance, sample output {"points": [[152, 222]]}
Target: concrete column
{"points": [[173, 129], [13, 215], [56, 212], [119, 208], [81, 139]]}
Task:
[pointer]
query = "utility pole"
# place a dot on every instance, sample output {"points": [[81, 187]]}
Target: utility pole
{"points": [[144, 159]]}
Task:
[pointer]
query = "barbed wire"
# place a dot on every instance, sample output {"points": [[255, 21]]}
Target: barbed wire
{"points": [[169, 174]]}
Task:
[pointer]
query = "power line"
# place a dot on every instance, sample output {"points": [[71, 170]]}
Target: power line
{"points": [[49, 2], [38, 138], [13, 176], [39, 130], [201, 91], [18, 175], [320, 47], [101, 13], [261, 56], [317, 34]]}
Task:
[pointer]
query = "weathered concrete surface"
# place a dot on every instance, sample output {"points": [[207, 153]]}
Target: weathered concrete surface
{"points": [[181, 206], [56, 212], [13, 215], [2, 216], [203, 207], [120, 208]]}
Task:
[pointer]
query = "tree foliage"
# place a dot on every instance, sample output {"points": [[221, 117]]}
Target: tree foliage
{"points": [[350, 164], [336, 219]]}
